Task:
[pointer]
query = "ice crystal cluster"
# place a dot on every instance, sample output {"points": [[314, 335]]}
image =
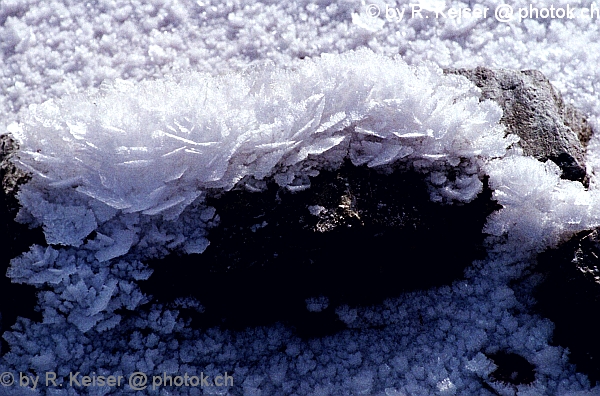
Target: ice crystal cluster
{"points": [[120, 175], [155, 147], [134, 162]]}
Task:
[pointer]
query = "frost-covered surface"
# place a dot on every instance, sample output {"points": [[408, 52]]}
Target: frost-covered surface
{"points": [[50, 48], [156, 147], [128, 158]]}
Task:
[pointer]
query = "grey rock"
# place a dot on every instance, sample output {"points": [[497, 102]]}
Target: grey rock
{"points": [[10, 175], [534, 110], [549, 128]]}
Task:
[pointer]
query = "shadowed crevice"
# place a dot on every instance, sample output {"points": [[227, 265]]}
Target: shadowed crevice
{"points": [[370, 237]]}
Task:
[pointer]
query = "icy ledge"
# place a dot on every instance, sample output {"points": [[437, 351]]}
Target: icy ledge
{"points": [[155, 147], [130, 160], [119, 176]]}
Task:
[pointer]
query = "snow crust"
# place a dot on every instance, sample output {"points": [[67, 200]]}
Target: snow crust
{"points": [[128, 192]]}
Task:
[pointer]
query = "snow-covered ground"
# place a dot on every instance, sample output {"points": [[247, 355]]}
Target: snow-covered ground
{"points": [[151, 104]]}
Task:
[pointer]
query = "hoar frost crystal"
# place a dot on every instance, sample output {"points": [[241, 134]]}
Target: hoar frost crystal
{"points": [[119, 176]]}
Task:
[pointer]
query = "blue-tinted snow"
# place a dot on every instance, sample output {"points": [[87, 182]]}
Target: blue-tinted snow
{"points": [[429, 342]]}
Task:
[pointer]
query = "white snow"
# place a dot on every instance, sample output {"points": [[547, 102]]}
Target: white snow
{"points": [[127, 112]]}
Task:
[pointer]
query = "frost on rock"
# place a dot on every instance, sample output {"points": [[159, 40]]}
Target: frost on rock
{"points": [[540, 209], [155, 147], [122, 174], [127, 171]]}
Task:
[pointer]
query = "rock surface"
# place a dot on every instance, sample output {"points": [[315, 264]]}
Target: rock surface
{"points": [[548, 127], [551, 129], [11, 176]]}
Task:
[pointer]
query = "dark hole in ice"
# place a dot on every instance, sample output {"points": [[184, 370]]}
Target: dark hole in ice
{"points": [[379, 236], [15, 299], [512, 368], [569, 295]]}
